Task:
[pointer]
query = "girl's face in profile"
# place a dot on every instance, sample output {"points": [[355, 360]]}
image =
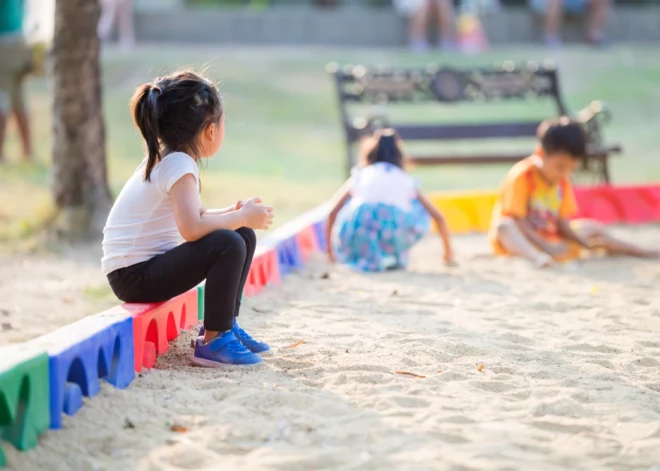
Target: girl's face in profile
{"points": [[212, 138]]}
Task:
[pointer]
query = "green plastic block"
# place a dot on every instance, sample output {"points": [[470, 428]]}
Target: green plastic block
{"points": [[24, 397], [200, 302]]}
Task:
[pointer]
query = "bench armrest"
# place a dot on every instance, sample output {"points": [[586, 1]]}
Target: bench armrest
{"points": [[593, 117]]}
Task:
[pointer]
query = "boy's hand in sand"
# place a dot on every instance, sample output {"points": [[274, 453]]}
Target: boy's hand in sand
{"points": [[544, 261], [558, 249], [257, 215]]}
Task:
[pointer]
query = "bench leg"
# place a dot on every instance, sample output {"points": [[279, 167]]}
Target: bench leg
{"points": [[605, 169]]}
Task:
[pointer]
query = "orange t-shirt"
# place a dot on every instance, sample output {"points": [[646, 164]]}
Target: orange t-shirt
{"points": [[525, 194]]}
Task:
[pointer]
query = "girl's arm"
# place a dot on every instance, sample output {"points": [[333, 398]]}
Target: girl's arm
{"points": [[340, 198], [439, 220], [193, 226], [217, 212]]}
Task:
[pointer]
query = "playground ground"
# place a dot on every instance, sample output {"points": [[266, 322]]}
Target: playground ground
{"points": [[570, 360], [518, 369]]}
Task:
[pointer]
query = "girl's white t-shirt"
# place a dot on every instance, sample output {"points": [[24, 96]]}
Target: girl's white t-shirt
{"points": [[141, 223], [383, 183]]}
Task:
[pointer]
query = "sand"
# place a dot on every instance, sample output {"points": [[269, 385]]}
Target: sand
{"points": [[519, 369]]}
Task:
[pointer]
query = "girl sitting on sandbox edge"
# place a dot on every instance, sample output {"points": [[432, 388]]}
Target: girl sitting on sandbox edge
{"points": [[379, 214], [181, 120]]}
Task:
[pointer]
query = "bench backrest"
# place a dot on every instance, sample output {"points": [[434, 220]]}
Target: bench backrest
{"points": [[504, 82]]}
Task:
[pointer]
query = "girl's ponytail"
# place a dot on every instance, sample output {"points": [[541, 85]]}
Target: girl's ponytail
{"points": [[146, 114]]}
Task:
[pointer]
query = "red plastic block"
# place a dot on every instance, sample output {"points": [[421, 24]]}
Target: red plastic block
{"points": [[654, 192], [307, 243], [630, 204], [265, 270], [599, 203], [638, 204], [156, 324]]}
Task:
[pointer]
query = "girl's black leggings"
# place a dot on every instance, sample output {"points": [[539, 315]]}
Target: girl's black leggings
{"points": [[223, 258]]}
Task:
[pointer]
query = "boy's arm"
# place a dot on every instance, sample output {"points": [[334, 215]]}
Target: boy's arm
{"points": [[514, 199], [568, 209], [340, 198], [440, 221], [534, 237], [566, 232]]}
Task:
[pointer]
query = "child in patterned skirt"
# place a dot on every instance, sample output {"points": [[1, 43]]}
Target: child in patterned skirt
{"points": [[380, 213]]}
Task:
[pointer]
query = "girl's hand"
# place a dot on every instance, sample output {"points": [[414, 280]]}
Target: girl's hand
{"points": [[239, 205], [449, 259], [331, 255], [256, 215]]}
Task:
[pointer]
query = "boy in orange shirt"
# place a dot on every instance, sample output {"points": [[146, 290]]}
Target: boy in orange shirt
{"points": [[532, 216]]}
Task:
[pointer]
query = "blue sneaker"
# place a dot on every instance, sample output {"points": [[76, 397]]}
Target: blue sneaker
{"points": [[246, 339], [224, 350]]}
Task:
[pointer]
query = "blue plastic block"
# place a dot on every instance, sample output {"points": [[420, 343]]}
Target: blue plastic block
{"points": [[288, 255], [320, 229], [79, 354]]}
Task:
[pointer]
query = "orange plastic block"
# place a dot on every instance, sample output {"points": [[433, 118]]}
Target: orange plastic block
{"points": [[265, 270], [307, 243], [466, 212], [154, 325]]}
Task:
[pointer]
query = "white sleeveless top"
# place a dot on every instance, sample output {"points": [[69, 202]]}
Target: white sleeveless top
{"points": [[141, 223], [383, 183]]}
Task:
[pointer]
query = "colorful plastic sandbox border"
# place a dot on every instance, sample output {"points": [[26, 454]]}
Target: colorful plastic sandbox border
{"points": [[470, 212], [42, 379]]}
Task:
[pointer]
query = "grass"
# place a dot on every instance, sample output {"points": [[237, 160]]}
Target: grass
{"points": [[283, 138]]}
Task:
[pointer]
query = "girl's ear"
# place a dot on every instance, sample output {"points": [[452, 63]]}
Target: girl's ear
{"points": [[539, 151], [210, 131]]}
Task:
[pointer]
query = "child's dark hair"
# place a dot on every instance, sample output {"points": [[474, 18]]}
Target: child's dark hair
{"points": [[172, 111], [383, 146], [563, 135]]}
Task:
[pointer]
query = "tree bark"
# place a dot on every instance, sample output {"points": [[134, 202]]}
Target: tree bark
{"points": [[80, 185]]}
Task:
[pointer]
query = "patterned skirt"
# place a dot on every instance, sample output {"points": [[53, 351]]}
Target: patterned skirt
{"points": [[378, 237]]}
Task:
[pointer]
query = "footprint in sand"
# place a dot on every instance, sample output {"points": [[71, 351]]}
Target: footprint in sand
{"points": [[410, 402], [493, 386], [585, 347], [646, 362], [604, 363], [290, 364], [653, 386], [556, 427], [445, 437], [517, 339]]}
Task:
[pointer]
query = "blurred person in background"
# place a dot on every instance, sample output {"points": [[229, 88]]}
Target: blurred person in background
{"points": [[15, 64], [597, 12], [421, 12], [119, 13]]}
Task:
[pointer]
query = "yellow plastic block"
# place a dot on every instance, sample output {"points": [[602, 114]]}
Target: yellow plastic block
{"points": [[466, 212]]}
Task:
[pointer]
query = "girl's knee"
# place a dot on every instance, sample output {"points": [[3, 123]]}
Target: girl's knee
{"points": [[248, 235], [227, 243]]}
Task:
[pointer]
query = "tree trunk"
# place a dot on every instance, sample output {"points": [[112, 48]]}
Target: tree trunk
{"points": [[80, 185]]}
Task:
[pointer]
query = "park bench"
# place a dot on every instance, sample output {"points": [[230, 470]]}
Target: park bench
{"points": [[378, 89]]}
